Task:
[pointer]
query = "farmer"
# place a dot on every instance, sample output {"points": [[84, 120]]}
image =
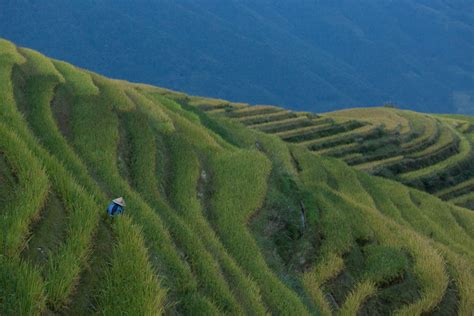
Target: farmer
{"points": [[116, 207]]}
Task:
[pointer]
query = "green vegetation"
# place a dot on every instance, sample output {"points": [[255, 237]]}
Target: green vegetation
{"points": [[220, 218], [187, 180], [33, 185], [64, 266], [431, 153], [80, 82], [127, 272]]}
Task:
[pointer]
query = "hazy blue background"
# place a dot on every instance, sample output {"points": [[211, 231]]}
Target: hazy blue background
{"points": [[312, 55]]}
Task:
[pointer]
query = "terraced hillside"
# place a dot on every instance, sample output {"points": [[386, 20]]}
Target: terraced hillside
{"points": [[220, 219], [431, 153]]}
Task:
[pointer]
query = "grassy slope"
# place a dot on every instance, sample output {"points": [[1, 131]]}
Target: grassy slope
{"points": [[219, 218], [430, 153]]}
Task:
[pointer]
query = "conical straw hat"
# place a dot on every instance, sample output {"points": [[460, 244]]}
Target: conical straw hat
{"points": [[120, 201]]}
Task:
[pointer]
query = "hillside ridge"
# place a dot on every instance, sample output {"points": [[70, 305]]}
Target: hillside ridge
{"points": [[220, 219], [433, 153]]}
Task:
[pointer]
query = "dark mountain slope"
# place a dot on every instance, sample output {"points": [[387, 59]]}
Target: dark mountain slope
{"points": [[313, 55]]}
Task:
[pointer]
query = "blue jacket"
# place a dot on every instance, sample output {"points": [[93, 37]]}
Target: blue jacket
{"points": [[114, 209]]}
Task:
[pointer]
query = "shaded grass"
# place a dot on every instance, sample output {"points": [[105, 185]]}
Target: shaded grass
{"points": [[393, 296], [463, 276], [59, 176], [428, 265], [61, 110], [464, 152], [264, 118], [47, 233], [283, 125], [342, 138], [446, 138], [21, 289], [201, 131], [100, 153], [9, 54], [112, 94], [86, 294], [188, 201], [276, 226], [252, 111], [357, 297], [232, 205], [161, 121], [449, 303], [79, 82], [29, 196], [457, 190], [319, 132], [142, 170], [373, 150], [400, 142], [302, 130], [384, 264], [39, 65], [63, 265], [466, 200], [8, 182], [457, 265], [21, 286], [386, 267], [212, 124], [127, 271], [425, 129]]}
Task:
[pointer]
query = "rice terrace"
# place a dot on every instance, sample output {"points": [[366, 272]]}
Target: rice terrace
{"points": [[230, 208]]}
